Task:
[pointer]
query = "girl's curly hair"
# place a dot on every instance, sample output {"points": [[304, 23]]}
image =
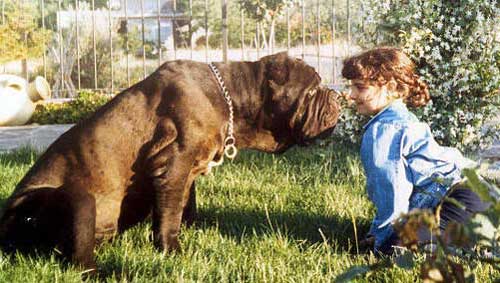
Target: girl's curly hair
{"points": [[383, 64]]}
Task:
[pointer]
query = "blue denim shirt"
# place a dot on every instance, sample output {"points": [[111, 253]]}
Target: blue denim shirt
{"points": [[402, 160]]}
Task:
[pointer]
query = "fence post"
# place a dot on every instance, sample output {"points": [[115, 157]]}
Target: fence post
{"points": [[111, 50], [174, 25], [77, 25], [24, 61], [334, 53], [348, 7], [159, 31], [191, 29], [3, 12], [206, 31], [61, 54], [94, 44], [126, 44], [242, 25], [303, 28], [143, 41], [287, 28], [224, 31], [318, 42], [42, 6]]}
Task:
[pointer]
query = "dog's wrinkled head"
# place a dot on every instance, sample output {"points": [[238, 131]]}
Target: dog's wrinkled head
{"points": [[305, 108]]}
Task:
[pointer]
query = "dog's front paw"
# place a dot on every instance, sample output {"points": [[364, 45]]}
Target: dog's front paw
{"points": [[167, 243]]}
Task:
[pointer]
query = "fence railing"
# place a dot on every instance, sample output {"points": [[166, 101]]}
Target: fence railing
{"points": [[109, 45]]}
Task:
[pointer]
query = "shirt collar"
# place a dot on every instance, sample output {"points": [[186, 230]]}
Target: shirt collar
{"points": [[398, 103]]}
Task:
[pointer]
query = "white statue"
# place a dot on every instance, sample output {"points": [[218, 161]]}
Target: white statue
{"points": [[17, 98]]}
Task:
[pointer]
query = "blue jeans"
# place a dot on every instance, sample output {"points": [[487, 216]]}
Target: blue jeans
{"points": [[450, 212]]}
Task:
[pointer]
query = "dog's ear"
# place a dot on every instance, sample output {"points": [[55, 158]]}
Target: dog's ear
{"points": [[19, 200], [278, 68], [34, 198]]}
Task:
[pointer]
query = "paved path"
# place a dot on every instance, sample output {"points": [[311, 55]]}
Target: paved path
{"points": [[493, 152], [35, 136]]}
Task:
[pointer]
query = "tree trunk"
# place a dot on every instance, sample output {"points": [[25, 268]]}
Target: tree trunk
{"points": [[271, 35], [264, 41]]}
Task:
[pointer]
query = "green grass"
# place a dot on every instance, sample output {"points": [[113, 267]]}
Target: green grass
{"points": [[262, 218]]}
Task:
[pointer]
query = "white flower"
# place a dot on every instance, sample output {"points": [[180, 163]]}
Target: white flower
{"points": [[453, 132], [436, 54], [479, 16]]}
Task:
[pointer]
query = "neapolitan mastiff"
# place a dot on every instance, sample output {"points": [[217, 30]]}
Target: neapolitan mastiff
{"points": [[141, 152]]}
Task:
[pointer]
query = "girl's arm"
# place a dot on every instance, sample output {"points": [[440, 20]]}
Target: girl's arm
{"points": [[389, 182]]}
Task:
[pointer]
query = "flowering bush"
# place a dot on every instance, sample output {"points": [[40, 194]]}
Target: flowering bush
{"points": [[456, 47]]}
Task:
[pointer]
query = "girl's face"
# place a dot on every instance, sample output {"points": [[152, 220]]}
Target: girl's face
{"points": [[369, 98]]}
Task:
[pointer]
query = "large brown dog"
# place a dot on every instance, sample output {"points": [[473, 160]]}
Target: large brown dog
{"points": [[141, 152]]}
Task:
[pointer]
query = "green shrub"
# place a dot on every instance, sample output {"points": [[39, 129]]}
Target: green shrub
{"points": [[70, 112]]}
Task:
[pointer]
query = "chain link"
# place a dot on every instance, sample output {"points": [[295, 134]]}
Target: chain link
{"points": [[230, 149]]}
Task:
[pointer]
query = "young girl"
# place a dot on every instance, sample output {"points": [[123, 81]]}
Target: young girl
{"points": [[401, 159]]}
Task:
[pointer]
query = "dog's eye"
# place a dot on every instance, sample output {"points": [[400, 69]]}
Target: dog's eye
{"points": [[29, 220]]}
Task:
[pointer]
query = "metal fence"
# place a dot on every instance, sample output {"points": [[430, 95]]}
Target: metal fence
{"points": [[109, 45]]}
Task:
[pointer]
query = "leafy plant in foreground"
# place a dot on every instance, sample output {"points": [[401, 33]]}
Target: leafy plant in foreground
{"points": [[478, 239]]}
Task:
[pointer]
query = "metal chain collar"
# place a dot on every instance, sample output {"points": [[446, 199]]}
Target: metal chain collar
{"points": [[230, 149]]}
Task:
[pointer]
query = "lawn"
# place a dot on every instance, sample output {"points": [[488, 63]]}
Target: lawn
{"points": [[262, 218]]}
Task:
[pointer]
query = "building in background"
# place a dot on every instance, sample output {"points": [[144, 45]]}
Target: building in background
{"points": [[128, 21]]}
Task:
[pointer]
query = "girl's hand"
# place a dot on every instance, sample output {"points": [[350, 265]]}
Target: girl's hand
{"points": [[367, 243]]}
